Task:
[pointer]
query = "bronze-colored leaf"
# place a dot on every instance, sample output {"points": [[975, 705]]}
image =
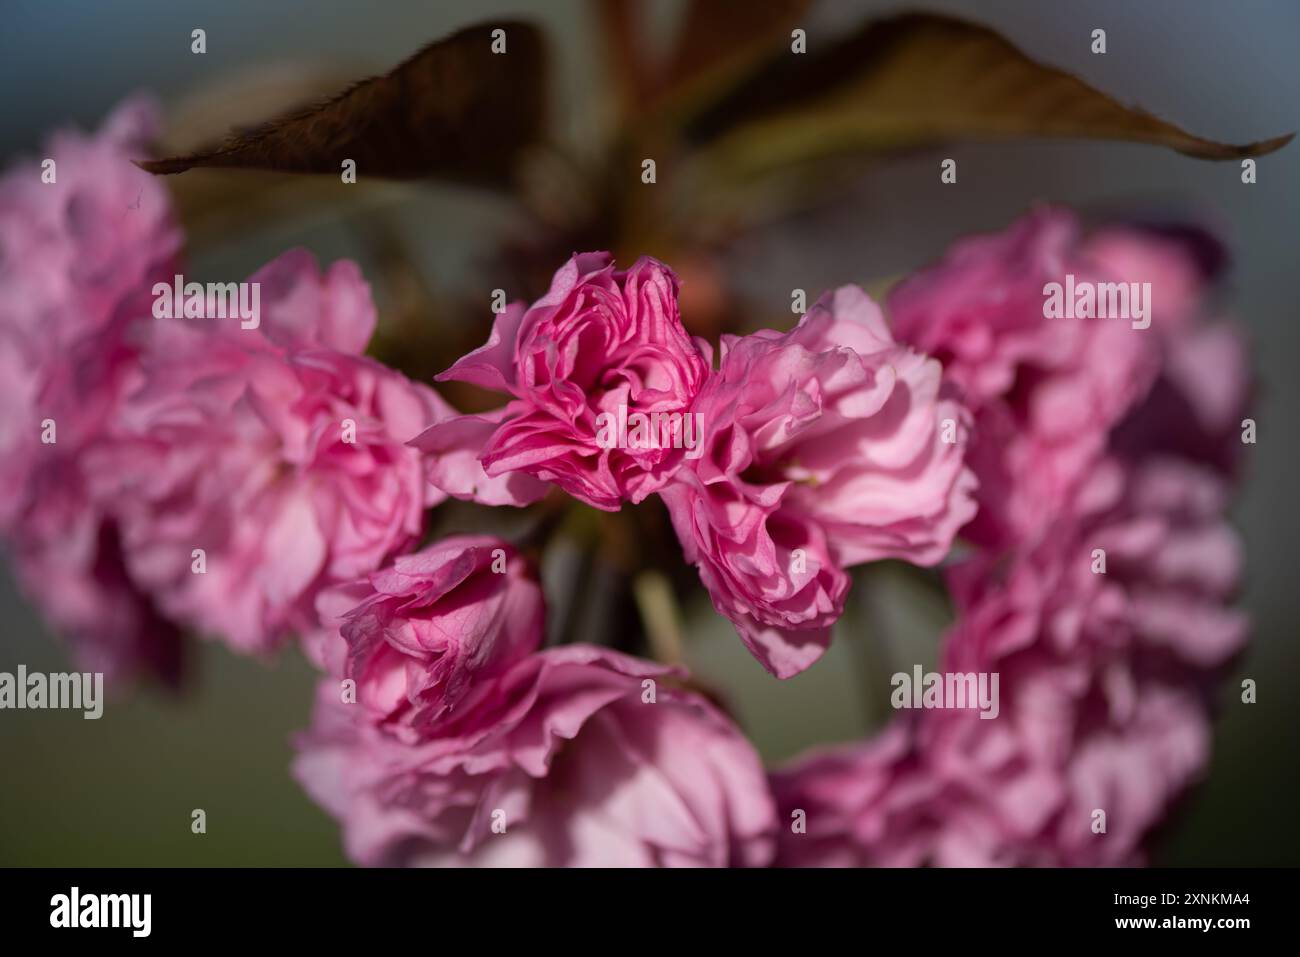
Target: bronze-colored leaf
{"points": [[455, 110], [917, 80], [209, 202], [715, 43], [718, 40]]}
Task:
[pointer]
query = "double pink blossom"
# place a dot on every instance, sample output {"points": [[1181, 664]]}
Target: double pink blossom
{"points": [[863, 805], [461, 744], [1108, 621], [577, 756], [1103, 706], [1045, 392], [82, 237], [418, 636], [254, 467], [602, 346], [824, 447], [1104, 674]]}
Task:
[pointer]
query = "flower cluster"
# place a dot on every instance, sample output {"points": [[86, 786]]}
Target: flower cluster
{"points": [[1101, 597], [280, 452], [823, 448], [77, 259], [255, 482]]}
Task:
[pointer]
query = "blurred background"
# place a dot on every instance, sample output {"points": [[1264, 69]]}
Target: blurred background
{"points": [[120, 790]]}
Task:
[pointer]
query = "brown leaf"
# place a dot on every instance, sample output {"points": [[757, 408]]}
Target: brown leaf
{"points": [[455, 110], [715, 43], [209, 202], [917, 80], [717, 40]]}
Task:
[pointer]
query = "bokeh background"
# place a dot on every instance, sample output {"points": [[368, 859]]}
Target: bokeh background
{"points": [[120, 790]]}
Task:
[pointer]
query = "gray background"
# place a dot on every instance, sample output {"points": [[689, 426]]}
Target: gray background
{"points": [[120, 790]]}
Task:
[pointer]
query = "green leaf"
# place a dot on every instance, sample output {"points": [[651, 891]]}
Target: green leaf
{"points": [[456, 110]]}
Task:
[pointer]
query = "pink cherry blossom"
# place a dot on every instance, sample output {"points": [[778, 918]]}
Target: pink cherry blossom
{"points": [[823, 447], [1105, 671], [600, 341], [577, 756], [979, 311], [1102, 700], [419, 634], [279, 451], [1103, 683], [81, 242], [865, 805], [1046, 392], [68, 560]]}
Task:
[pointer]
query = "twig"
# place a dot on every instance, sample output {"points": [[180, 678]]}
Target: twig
{"points": [[660, 615]]}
